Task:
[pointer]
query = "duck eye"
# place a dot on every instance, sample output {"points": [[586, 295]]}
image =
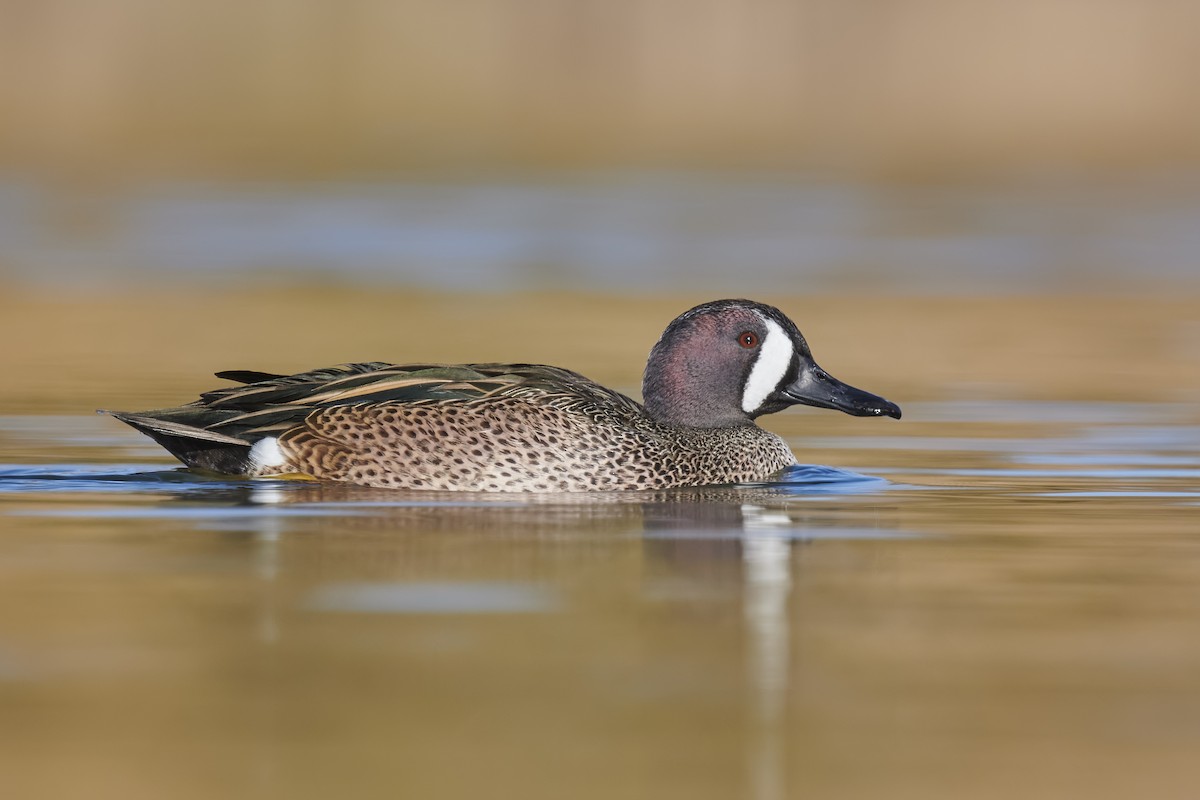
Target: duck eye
{"points": [[748, 339]]}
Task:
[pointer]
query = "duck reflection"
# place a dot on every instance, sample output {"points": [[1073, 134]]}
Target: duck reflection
{"points": [[699, 550], [696, 552]]}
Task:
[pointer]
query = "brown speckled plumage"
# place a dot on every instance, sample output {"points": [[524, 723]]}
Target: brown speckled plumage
{"points": [[495, 427], [517, 440]]}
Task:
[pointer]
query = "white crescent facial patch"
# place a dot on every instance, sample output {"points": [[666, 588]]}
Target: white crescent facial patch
{"points": [[774, 357]]}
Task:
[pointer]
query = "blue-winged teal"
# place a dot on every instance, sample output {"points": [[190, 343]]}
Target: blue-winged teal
{"points": [[522, 427]]}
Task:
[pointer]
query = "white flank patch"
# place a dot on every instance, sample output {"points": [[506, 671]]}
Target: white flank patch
{"points": [[774, 358], [266, 453]]}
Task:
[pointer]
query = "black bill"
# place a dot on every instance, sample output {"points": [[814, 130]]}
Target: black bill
{"points": [[816, 387]]}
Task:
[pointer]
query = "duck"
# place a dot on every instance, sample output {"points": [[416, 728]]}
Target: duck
{"points": [[496, 427]]}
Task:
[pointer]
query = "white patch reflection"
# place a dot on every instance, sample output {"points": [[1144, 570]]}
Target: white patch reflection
{"points": [[766, 560]]}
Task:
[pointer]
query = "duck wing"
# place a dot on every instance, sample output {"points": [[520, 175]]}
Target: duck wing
{"points": [[216, 431]]}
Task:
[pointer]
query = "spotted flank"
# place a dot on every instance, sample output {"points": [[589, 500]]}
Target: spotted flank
{"points": [[521, 427]]}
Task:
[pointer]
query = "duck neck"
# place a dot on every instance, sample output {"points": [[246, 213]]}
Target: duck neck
{"points": [[681, 392]]}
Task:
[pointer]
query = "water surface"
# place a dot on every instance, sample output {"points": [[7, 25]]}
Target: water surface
{"points": [[732, 233], [988, 600]]}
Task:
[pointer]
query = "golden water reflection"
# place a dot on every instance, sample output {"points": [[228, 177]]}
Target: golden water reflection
{"points": [[1006, 609], [926, 638]]}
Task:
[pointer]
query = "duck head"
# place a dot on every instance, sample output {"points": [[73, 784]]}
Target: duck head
{"points": [[727, 362]]}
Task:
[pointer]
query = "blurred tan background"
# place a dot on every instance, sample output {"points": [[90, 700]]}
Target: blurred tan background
{"points": [[315, 88], [477, 179]]}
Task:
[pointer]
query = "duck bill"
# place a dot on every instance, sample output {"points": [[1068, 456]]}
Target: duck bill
{"points": [[816, 387]]}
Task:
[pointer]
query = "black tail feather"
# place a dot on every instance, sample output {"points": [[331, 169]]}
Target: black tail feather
{"points": [[248, 375], [196, 447]]}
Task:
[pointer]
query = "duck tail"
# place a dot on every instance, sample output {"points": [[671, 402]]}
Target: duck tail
{"points": [[196, 447]]}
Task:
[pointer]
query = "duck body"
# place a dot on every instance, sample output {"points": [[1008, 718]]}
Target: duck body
{"points": [[521, 427]]}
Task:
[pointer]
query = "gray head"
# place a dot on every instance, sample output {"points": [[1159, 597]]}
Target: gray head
{"points": [[724, 363]]}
